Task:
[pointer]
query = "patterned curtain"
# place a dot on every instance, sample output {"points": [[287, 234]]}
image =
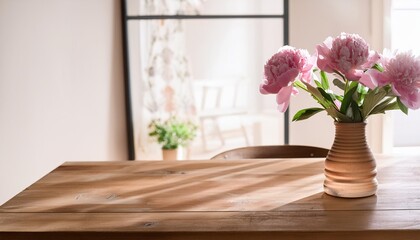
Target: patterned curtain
{"points": [[166, 74]]}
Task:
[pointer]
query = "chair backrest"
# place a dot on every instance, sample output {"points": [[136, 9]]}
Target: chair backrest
{"points": [[275, 151], [219, 93]]}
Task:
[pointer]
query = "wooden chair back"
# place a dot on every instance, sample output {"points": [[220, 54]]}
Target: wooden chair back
{"points": [[275, 151]]}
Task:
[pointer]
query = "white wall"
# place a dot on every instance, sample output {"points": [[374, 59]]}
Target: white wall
{"points": [[61, 87], [311, 22]]}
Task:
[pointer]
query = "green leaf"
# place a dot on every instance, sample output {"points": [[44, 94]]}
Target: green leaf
{"points": [[306, 113], [339, 74], [353, 112], [378, 67], [362, 89], [324, 80], [328, 105], [380, 106], [361, 93], [385, 106], [338, 83], [401, 105], [389, 91], [339, 97], [348, 98], [317, 96], [357, 116], [318, 84], [372, 98], [326, 95], [353, 84], [337, 115], [299, 84], [349, 112]]}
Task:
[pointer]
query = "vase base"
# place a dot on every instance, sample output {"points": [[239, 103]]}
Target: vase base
{"points": [[365, 190]]}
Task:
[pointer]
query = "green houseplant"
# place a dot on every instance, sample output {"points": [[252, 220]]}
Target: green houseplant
{"points": [[174, 135]]}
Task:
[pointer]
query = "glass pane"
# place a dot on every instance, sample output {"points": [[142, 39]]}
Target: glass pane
{"points": [[405, 4], [209, 7], [208, 70], [405, 13]]}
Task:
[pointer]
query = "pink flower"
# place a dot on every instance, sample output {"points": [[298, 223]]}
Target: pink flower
{"points": [[348, 54], [282, 69], [402, 71], [283, 97]]}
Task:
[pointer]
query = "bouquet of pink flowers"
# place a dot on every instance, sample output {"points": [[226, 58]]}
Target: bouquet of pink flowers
{"points": [[371, 83]]}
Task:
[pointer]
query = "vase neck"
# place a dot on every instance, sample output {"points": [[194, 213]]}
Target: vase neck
{"points": [[351, 131]]}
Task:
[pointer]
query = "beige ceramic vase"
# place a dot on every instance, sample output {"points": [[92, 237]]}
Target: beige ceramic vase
{"points": [[350, 169], [174, 154]]}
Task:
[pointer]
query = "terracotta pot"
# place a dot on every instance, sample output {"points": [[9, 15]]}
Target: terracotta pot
{"points": [[174, 154], [350, 169]]}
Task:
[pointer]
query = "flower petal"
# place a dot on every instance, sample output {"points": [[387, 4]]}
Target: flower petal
{"points": [[262, 89], [411, 100], [354, 74], [347, 54], [395, 90], [281, 81], [323, 50], [307, 70], [371, 60], [283, 98], [372, 78]]}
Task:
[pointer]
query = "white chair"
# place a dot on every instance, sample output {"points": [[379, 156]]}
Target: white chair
{"points": [[217, 101]]}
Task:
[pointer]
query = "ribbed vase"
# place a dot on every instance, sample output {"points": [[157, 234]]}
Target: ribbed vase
{"points": [[350, 169]]}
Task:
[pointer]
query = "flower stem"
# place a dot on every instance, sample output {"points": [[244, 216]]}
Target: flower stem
{"points": [[300, 85], [341, 75], [347, 86]]}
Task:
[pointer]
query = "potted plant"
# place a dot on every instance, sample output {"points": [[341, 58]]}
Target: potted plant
{"points": [[174, 135]]}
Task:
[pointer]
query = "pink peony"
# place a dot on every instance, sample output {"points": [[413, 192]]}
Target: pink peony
{"points": [[282, 69], [402, 71], [348, 54], [283, 97]]}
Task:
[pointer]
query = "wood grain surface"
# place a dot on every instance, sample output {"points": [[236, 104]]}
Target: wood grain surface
{"points": [[240, 199]]}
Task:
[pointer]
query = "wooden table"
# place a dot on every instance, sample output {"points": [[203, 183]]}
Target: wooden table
{"points": [[240, 199]]}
